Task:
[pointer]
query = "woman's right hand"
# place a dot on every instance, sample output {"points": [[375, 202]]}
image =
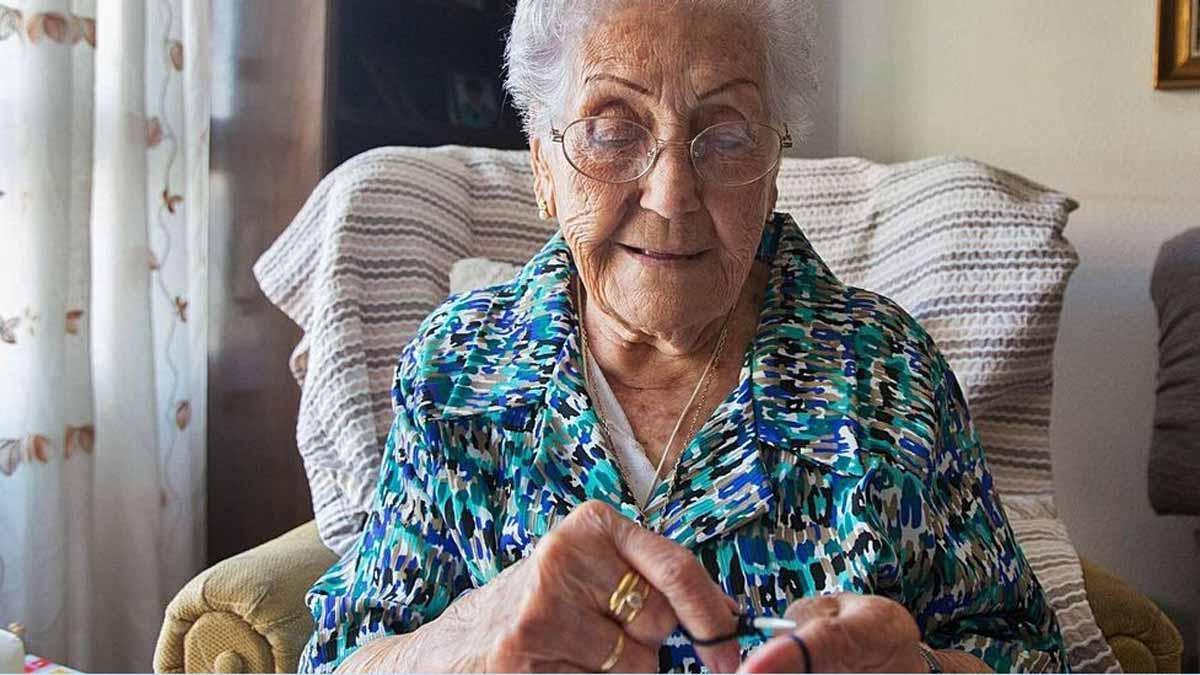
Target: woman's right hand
{"points": [[550, 612]]}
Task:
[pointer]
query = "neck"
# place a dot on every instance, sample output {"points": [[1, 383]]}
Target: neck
{"points": [[637, 360]]}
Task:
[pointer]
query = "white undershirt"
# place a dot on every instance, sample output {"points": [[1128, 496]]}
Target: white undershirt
{"points": [[639, 472]]}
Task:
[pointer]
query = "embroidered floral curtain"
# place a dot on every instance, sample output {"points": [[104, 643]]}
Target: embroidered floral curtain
{"points": [[103, 212]]}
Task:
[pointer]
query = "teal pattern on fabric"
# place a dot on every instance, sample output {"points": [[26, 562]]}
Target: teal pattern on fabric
{"points": [[844, 460]]}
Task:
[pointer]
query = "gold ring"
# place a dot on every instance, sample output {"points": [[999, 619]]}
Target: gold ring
{"points": [[635, 600], [628, 596], [614, 655]]}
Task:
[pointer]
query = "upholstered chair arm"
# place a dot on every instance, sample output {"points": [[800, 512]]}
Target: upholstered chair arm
{"points": [[1143, 639], [245, 614]]}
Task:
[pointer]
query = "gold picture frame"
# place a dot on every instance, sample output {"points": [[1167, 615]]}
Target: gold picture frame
{"points": [[1177, 62]]}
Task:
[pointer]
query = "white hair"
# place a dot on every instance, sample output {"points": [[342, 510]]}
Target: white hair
{"points": [[544, 34]]}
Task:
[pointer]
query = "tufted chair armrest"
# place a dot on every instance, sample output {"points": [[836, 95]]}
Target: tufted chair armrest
{"points": [[245, 614], [1142, 637]]}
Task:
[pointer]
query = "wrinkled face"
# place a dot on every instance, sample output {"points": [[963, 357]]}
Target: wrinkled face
{"points": [[666, 253]]}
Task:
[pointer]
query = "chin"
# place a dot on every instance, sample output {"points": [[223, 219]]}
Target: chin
{"points": [[662, 311], [663, 299]]}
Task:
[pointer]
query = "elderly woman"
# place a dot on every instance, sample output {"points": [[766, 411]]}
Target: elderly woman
{"points": [[675, 419]]}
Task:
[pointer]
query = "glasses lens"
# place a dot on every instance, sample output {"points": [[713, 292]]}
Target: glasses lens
{"points": [[608, 149], [736, 153]]}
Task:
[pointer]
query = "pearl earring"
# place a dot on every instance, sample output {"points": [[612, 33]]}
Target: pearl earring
{"points": [[543, 210]]}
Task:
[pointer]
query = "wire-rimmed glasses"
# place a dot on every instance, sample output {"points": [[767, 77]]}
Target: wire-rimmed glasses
{"points": [[617, 150]]}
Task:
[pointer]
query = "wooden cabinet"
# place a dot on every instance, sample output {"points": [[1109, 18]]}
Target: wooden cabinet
{"points": [[298, 87], [268, 152]]}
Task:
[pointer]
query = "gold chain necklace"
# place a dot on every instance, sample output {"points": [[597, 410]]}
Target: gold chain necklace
{"points": [[702, 388]]}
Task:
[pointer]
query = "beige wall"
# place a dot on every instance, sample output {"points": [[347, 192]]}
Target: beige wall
{"points": [[1062, 93]]}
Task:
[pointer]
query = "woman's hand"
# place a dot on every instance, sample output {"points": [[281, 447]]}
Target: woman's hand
{"points": [[844, 632], [550, 612]]}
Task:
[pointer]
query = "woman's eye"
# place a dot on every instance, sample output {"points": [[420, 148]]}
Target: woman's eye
{"points": [[613, 135], [729, 140], [613, 140]]}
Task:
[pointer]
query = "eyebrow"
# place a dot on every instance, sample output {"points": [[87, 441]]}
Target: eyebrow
{"points": [[736, 82], [619, 80]]}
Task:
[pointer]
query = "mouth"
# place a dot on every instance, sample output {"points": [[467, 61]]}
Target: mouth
{"points": [[661, 256]]}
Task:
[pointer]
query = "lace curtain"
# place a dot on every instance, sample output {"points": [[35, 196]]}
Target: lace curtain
{"points": [[103, 236]]}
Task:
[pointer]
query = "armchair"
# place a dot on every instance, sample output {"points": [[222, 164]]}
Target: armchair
{"points": [[974, 253]]}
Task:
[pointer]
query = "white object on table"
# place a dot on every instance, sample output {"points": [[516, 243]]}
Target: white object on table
{"points": [[12, 653]]}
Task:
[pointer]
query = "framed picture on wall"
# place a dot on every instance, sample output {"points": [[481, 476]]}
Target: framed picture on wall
{"points": [[1177, 63], [1195, 28]]}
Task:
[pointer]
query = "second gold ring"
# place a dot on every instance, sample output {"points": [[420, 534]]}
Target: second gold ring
{"points": [[629, 598]]}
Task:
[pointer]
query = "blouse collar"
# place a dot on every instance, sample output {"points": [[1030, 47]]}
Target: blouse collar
{"points": [[782, 405]]}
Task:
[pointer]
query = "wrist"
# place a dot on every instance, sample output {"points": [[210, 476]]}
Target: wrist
{"points": [[376, 655], [436, 646], [444, 647]]}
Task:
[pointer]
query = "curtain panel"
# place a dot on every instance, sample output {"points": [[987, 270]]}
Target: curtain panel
{"points": [[103, 236]]}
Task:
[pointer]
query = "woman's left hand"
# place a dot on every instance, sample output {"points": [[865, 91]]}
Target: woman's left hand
{"points": [[844, 632]]}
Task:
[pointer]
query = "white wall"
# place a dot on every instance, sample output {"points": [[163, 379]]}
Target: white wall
{"points": [[1062, 93]]}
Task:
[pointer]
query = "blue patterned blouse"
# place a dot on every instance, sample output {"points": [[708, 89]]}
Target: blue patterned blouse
{"points": [[845, 460]]}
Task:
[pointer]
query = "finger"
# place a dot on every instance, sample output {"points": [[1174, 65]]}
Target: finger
{"points": [[609, 640], [637, 658], [580, 566], [780, 654], [696, 600], [823, 646], [553, 633], [568, 618], [655, 621], [815, 607], [871, 631]]}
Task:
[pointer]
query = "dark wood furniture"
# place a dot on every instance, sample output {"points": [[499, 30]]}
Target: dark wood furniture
{"points": [[298, 87], [268, 152]]}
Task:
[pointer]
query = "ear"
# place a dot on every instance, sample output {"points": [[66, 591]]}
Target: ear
{"points": [[543, 177]]}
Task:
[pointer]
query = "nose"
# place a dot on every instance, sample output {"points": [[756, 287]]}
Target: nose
{"points": [[671, 188]]}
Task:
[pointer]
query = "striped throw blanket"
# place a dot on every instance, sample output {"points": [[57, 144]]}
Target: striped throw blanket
{"points": [[974, 253]]}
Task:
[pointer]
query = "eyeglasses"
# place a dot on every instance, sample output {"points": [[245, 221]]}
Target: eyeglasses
{"points": [[615, 150]]}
